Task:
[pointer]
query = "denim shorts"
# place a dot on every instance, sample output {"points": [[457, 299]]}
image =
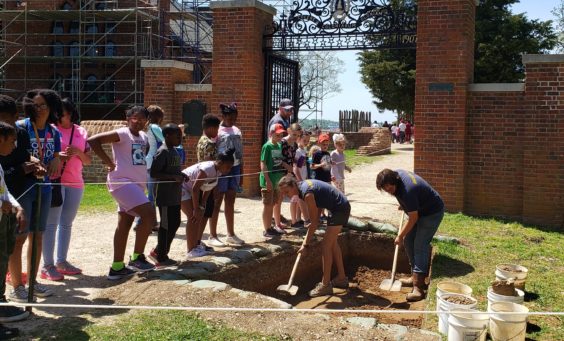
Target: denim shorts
{"points": [[28, 203], [229, 181]]}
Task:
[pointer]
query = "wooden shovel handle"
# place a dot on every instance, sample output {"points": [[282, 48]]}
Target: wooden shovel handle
{"points": [[397, 248], [294, 269]]}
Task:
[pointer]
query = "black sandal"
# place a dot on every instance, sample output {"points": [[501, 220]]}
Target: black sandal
{"points": [[8, 333]]}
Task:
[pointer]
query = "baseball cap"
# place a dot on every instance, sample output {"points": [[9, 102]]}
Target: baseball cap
{"points": [[287, 103], [323, 138], [278, 129]]}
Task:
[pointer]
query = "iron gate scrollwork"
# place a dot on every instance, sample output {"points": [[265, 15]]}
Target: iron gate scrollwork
{"points": [[344, 25], [282, 80]]}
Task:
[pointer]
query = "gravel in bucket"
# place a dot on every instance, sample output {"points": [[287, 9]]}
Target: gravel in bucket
{"points": [[459, 300]]}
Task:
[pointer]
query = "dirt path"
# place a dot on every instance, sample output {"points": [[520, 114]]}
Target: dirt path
{"points": [[91, 246]]}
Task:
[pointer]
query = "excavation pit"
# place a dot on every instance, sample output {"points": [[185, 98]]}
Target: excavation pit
{"points": [[368, 260]]}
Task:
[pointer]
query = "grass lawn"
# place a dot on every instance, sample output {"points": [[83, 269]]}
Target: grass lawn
{"points": [[97, 198], [353, 160], [488, 242], [146, 325]]}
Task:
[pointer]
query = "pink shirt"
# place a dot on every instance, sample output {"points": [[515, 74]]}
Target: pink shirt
{"points": [[72, 176], [129, 158]]}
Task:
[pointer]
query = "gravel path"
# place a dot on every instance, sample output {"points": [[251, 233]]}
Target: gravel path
{"points": [[92, 239]]}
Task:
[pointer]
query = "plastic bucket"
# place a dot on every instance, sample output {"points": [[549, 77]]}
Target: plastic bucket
{"points": [[468, 327], [445, 305], [493, 297], [451, 287], [519, 283], [511, 326], [512, 271]]}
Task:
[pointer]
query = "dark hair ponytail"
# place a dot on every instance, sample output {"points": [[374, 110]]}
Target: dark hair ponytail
{"points": [[227, 156]]}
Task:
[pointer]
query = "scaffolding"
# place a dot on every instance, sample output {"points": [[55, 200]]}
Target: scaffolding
{"points": [[91, 50]]}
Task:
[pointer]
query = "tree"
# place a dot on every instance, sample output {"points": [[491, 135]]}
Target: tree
{"points": [[501, 39], [558, 12], [318, 72]]}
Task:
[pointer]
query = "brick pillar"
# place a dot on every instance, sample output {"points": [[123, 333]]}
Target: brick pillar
{"points": [[445, 66], [543, 145], [161, 77], [238, 72]]}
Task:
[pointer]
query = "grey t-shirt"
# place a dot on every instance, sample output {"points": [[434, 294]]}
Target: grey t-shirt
{"points": [[326, 196], [167, 161], [338, 165]]}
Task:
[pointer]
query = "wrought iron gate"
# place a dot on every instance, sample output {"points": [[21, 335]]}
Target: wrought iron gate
{"points": [[281, 80]]}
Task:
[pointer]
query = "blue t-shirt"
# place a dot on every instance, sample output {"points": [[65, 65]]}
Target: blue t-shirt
{"points": [[415, 194], [49, 140], [326, 196]]}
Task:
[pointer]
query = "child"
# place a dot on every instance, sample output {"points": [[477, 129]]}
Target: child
{"points": [[229, 136], [301, 173], [272, 170], [289, 147], [338, 165], [166, 169], [207, 151], [9, 222], [127, 176], [314, 149], [321, 161], [202, 179]]}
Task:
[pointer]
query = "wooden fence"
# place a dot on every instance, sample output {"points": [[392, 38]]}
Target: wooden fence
{"points": [[353, 120]]}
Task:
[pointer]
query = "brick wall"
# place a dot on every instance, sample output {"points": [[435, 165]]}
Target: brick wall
{"points": [[96, 171], [380, 142], [445, 54]]}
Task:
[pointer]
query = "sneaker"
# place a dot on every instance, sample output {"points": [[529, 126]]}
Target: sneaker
{"points": [[140, 264], [154, 256], [196, 252], [234, 241], [9, 278], [67, 268], [166, 263], [297, 225], [204, 247], [18, 294], [214, 241], [10, 313], [321, 290], [40, 290], [279, 230], [341, 284], [269, 234], [283, 219], [115, 275], [50, 273]]}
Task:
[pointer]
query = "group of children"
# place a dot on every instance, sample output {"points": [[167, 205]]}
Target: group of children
{"points": [[286, 152]]}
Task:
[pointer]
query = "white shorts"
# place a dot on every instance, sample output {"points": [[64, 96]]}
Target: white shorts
{"points": [[128, 197], [186, 192]]}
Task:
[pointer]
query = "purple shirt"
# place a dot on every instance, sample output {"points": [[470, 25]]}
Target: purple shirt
{"points": [[129, 158]]}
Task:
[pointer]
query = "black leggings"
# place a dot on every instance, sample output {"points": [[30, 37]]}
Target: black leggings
{"points": [[170, 221]]}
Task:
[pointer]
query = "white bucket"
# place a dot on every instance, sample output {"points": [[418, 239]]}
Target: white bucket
{"points": [[451, 287], [508, 327], [448, 306], [468, 327], [515, 271], [519, 283], [493, 297]]}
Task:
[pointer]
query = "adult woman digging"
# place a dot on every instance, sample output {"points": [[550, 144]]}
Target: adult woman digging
{"points": [[74, 154], [320, 195], [127, 176], [425, 209]]}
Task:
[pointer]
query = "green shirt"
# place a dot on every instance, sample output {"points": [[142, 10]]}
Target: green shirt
{"points": [[271, 155]]}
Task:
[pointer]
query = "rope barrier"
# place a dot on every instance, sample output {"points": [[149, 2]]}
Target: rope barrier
{"points": [[271, 310]]}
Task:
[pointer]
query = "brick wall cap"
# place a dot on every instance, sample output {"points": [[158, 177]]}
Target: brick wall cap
{"points": [[243, 3], [496, 87], [146, 63], [543, 58], [193, 87]]}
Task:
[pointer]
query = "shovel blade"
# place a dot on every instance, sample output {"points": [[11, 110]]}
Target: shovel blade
{"points": [[286, 290], [390, 285]]}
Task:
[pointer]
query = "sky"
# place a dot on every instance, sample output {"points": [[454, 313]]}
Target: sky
{"points": [[355, 95]]}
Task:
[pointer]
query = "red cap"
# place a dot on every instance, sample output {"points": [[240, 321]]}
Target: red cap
{"points": [[323, 138], [278, 129]]}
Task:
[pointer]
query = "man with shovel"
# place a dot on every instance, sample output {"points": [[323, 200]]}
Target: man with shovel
{"points": [[425, 210], [320, 195]]}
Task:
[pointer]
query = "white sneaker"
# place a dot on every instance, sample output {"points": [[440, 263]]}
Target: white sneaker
{"points": [[215, 242], [279, 230], [196, 252], [234, 240]]}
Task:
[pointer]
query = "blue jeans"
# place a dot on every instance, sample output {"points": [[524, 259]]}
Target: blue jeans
{"points": [[60, 220], [417, 243], [27, 202]]}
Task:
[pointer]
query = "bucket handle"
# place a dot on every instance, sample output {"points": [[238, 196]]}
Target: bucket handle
{"points": [[516, 335]]}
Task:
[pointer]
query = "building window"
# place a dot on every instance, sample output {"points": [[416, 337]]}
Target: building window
{"points": [[74, 50], [110, 27], [58, 49], [58, 27], [91, 49], [66, 6], [110, 50], [92, 29], [74, 27], [58, 84], [90, 96]]}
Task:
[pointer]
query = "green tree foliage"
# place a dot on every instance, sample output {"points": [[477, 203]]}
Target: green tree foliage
{"points": [[501, 38]]}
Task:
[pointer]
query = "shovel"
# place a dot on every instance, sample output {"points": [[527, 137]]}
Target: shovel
{"points": [[391, 284], [289, 289]]}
